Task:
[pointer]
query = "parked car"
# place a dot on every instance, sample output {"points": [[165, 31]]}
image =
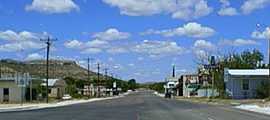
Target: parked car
{"points": [[66, 97]]}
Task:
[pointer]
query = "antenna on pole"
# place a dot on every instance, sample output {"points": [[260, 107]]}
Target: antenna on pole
{"points": [[48, 42]]}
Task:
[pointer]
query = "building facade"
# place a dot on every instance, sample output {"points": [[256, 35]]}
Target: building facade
{"points": [[56, 87], [10, 91], [190, 85], [243, 83]]}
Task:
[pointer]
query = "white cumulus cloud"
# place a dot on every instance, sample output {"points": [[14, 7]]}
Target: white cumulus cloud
{"points": [[19, 41], [34, 56], [182, 9], [238, 42], [191, 29], [158, 48], [97, 44], [52, 6], [203, 44], [250, 5], [73, 44], [226, 9], [202, 49], [261, 35], [20, 36], [111, 34]]}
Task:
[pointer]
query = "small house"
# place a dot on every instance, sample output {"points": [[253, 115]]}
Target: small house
{"points": [[243, 83], [56, 87]]}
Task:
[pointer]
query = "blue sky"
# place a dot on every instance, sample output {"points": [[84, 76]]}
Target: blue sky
{"points": [[138, 39]]}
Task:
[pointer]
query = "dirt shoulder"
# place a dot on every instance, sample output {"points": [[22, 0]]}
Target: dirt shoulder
{"points": [[231, 102]]}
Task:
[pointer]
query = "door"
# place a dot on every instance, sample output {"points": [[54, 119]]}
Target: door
{"points": [[6, 94]]}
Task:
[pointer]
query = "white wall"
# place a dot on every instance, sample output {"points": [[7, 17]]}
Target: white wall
{"points": [[15, 92], [234, 86]]}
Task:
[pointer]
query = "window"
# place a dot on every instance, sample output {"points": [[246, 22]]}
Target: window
{"points": [[245, 84]]}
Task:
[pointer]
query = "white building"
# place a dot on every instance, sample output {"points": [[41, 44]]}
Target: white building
{"points": [[10, 91], [243, 83], [92, 91]]}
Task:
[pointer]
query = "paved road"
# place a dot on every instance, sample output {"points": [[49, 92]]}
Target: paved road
{"points": [[137, 106]]}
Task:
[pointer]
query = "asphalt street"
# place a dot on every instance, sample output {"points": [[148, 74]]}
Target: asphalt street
{"points": [[136, 106]]}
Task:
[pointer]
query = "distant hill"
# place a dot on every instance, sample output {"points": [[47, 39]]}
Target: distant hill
{"points": [[37, 68]]}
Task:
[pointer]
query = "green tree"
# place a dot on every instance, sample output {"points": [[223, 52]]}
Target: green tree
{"points": [[263, 91], [244, 60], [159, 87], [132, 84]]}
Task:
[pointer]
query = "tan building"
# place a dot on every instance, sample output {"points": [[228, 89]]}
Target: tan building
{"points": [[56, 87], [10, 91]]}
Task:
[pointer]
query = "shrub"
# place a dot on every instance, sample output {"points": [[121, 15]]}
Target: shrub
{"points": [[263, 91]]}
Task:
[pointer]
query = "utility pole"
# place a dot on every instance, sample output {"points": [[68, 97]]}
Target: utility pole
{"points": [[48, 43], [89, 64], [0, 68], [88, 68], [98, 80], [31, 88], [88, 76], [106, 72], [269, 55], [213, 64]]}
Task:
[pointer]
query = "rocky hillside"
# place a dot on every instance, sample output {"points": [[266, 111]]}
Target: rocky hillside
{"points": [[37, 68]]}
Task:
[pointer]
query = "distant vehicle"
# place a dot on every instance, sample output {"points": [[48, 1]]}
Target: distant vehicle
{"points": [[66, 97], [168, 95]]}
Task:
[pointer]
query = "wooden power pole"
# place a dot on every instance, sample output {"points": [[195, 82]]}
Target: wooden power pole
{"points": [[48, 42]]}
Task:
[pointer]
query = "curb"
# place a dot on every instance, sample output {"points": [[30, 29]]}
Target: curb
{"points": [[37, 107]]}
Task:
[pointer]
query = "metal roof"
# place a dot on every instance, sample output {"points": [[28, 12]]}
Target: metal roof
{"points": [[51, 82], [258, 72]]}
